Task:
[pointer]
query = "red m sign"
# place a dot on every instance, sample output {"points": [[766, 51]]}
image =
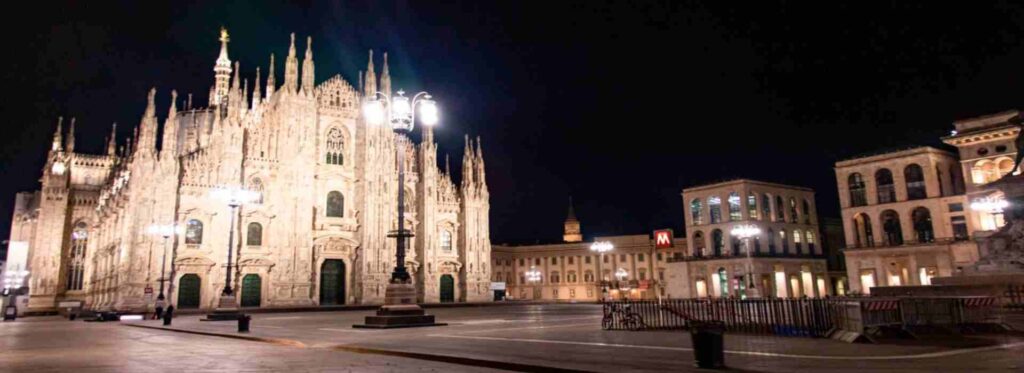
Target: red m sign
{"points": [[663, 239]]}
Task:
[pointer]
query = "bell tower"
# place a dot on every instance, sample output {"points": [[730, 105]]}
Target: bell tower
{"points": [[572, 226]]}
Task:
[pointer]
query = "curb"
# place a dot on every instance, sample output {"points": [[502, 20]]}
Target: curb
{"points": [[519, 367], [277, 341]]}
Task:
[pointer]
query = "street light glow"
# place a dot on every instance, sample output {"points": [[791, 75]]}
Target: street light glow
{"points": [[533, 275], [235, 196], [165, 230], [992, 205], [428, 111], [745, 231], [373, 110], [602, 247], [621, 274]]}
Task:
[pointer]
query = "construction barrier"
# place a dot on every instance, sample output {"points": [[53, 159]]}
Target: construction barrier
{"points": [[849, 319]]}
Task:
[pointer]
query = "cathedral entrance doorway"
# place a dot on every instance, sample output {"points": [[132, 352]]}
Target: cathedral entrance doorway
{"points": [[251, 288], [188, 291], [447, 289], [332, 283]]}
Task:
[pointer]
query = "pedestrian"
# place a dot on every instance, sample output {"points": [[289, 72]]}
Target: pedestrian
{"points": [[159, 309]]}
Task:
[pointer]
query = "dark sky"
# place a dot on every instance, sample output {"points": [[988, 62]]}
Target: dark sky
{"points": [[620, 105]]}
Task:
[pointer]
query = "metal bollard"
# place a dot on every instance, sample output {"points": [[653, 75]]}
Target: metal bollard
{"points": [[167, 315], [243, 323]]}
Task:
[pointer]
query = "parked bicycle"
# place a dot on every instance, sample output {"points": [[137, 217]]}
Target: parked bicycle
{"points": [[622, 316]]}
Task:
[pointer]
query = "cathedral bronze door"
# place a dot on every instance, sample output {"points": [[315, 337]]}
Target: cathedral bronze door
{"points": [[447, 289], [188, 291], [251, 290], [332, 283]]}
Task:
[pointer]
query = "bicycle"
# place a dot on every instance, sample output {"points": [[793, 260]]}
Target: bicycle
{"points": [[627, 318]]}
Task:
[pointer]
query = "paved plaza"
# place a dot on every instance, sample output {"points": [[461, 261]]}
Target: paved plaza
{"points": [[513, 337]]}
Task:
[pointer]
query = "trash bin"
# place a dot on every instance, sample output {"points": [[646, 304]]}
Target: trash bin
{"points": [[243, 323], [708, 349]]}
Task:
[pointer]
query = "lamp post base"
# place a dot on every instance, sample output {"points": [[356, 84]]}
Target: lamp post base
{"points": [[399, 310], [227, 310]]}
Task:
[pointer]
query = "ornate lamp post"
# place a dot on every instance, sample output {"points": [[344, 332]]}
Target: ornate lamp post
{"points": [[227, 307], [602, 247], [399, 111], [165, 231], [13, 280], [744, 233]]}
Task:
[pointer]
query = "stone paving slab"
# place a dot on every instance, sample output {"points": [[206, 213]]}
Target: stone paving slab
{"points": [[570, 337]]}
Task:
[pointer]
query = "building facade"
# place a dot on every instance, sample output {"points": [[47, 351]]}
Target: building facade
{"points": [[569, 271], [785, 257], [908, 214], [316, 235]]}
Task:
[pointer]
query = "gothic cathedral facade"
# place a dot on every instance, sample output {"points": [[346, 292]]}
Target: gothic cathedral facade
{"points": [[317, 234]]}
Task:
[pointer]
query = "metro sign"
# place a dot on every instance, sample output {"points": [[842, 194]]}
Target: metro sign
{"points": [[663, 239]]}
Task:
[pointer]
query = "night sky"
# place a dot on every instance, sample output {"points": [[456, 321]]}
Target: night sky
{"points": [[619, 105]]}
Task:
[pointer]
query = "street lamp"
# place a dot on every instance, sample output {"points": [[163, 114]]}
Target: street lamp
{"points": [[13, 280], [165, 231], [400, 113], [602, 247], [227, 308], [744, 232], [533, 277]]}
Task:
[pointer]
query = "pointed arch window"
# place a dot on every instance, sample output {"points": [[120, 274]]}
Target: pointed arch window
{"points": [[335, 204], [798, 242], [194, 232], [446, 241], [785, 242], [76, 265], [254, 234], [334, 148], [771, 242], [807, 212], [810, 242], [862, 235]]}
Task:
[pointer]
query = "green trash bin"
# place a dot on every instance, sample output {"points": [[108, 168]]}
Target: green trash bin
{"points": [[243, 323], [708, 348]]}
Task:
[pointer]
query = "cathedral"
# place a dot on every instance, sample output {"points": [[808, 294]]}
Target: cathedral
{"points": [[316, 234]]}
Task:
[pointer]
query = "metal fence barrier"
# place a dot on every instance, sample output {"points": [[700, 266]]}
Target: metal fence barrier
{"points": [[800, 317], [792, 317]]}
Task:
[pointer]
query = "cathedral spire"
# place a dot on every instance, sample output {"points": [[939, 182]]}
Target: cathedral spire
{"points": [[256, 97], [147, 138], [572, 226], [291, 69], [57, 142], [169, 144], [112, 141], [481, 178], [307, 67], [370, 83], [245, 94], [71, 137], [222, 71], [468, 168], [385, 77], [270, 77]]}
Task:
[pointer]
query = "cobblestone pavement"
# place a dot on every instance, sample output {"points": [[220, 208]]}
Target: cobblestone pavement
{"points": [[54, 344], [563, 336]]}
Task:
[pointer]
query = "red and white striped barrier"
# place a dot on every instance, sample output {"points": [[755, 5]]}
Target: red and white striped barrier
{"points": [[979, 302], [881, 305]]}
